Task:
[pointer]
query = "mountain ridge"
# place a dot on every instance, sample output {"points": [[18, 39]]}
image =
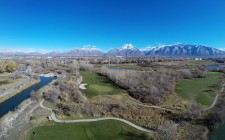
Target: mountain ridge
{"points": [[184, 50], [128, 50]]}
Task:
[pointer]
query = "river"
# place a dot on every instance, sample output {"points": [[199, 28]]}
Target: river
{"points": [[215, 67], [12, 103], [218, 133]]}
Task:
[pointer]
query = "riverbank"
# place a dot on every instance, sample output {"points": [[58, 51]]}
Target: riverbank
{"points": [[7, 120], [16, 123], [21, 88]]}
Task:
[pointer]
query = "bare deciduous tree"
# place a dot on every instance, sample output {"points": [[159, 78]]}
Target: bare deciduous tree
{"points": [[86, 66], [186, 73], [16, 74], [150, 87]]}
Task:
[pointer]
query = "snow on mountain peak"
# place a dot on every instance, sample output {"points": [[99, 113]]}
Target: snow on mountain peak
{"points": [[162, 46], [147, 48], [90, 48], [127, 46]]}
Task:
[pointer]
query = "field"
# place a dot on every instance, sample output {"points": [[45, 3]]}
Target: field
{"points": [[98, 85], [102, 130], [201, 90]]}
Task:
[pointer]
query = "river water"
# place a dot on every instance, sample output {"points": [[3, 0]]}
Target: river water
{"points": [[218, 133], [215, 67], [12, 103]]}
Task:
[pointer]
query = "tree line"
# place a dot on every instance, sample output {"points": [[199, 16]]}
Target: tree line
{"points": [[148, 87]]}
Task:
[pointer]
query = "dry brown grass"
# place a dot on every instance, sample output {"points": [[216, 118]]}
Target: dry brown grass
{"points": [[125, 108], [15, 83]]}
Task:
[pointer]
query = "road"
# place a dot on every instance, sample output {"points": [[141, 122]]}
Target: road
{"points": [[93, 120]]}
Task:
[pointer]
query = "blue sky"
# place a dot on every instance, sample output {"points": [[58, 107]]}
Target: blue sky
{"points": [[108, 24]]}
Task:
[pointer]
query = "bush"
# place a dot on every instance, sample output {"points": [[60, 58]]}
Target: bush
{"points": [[52, 95], [149, 87], [1, 69], [186, 73], [10, 67], [200, 72], [16, 74], [86, 66], [34, 95]]}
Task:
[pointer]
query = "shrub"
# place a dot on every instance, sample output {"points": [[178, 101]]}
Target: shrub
{"points": [[10, 67]]}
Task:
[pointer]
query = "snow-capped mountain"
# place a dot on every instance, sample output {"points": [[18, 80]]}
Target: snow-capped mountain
{"points": [[127, 50], [55, 53], [146, 50], [184, 50], [85, 51]]}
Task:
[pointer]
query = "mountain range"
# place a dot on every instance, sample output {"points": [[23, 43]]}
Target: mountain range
{"points": [[128, 50], [184, 50]]}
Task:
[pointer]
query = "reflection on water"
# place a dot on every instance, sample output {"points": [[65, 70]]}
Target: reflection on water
{"points": [[13, 102]]}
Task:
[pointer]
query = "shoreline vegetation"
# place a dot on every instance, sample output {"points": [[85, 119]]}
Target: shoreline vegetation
{"points": [[12, 115], [16, 91], [28, 84]]}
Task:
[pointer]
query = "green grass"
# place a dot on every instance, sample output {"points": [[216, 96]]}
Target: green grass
{"points": [[102, 130], [201, 90], [98, 85], [202, 62]]}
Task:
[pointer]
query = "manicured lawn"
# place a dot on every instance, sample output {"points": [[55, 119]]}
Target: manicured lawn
{"points": [[201, 90], [98, 85], [102, 130], [202, 62]]}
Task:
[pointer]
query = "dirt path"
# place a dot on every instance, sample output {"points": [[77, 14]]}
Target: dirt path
{"points": [[215, 100], [213, 104], [149, 106], [93, 120]]}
